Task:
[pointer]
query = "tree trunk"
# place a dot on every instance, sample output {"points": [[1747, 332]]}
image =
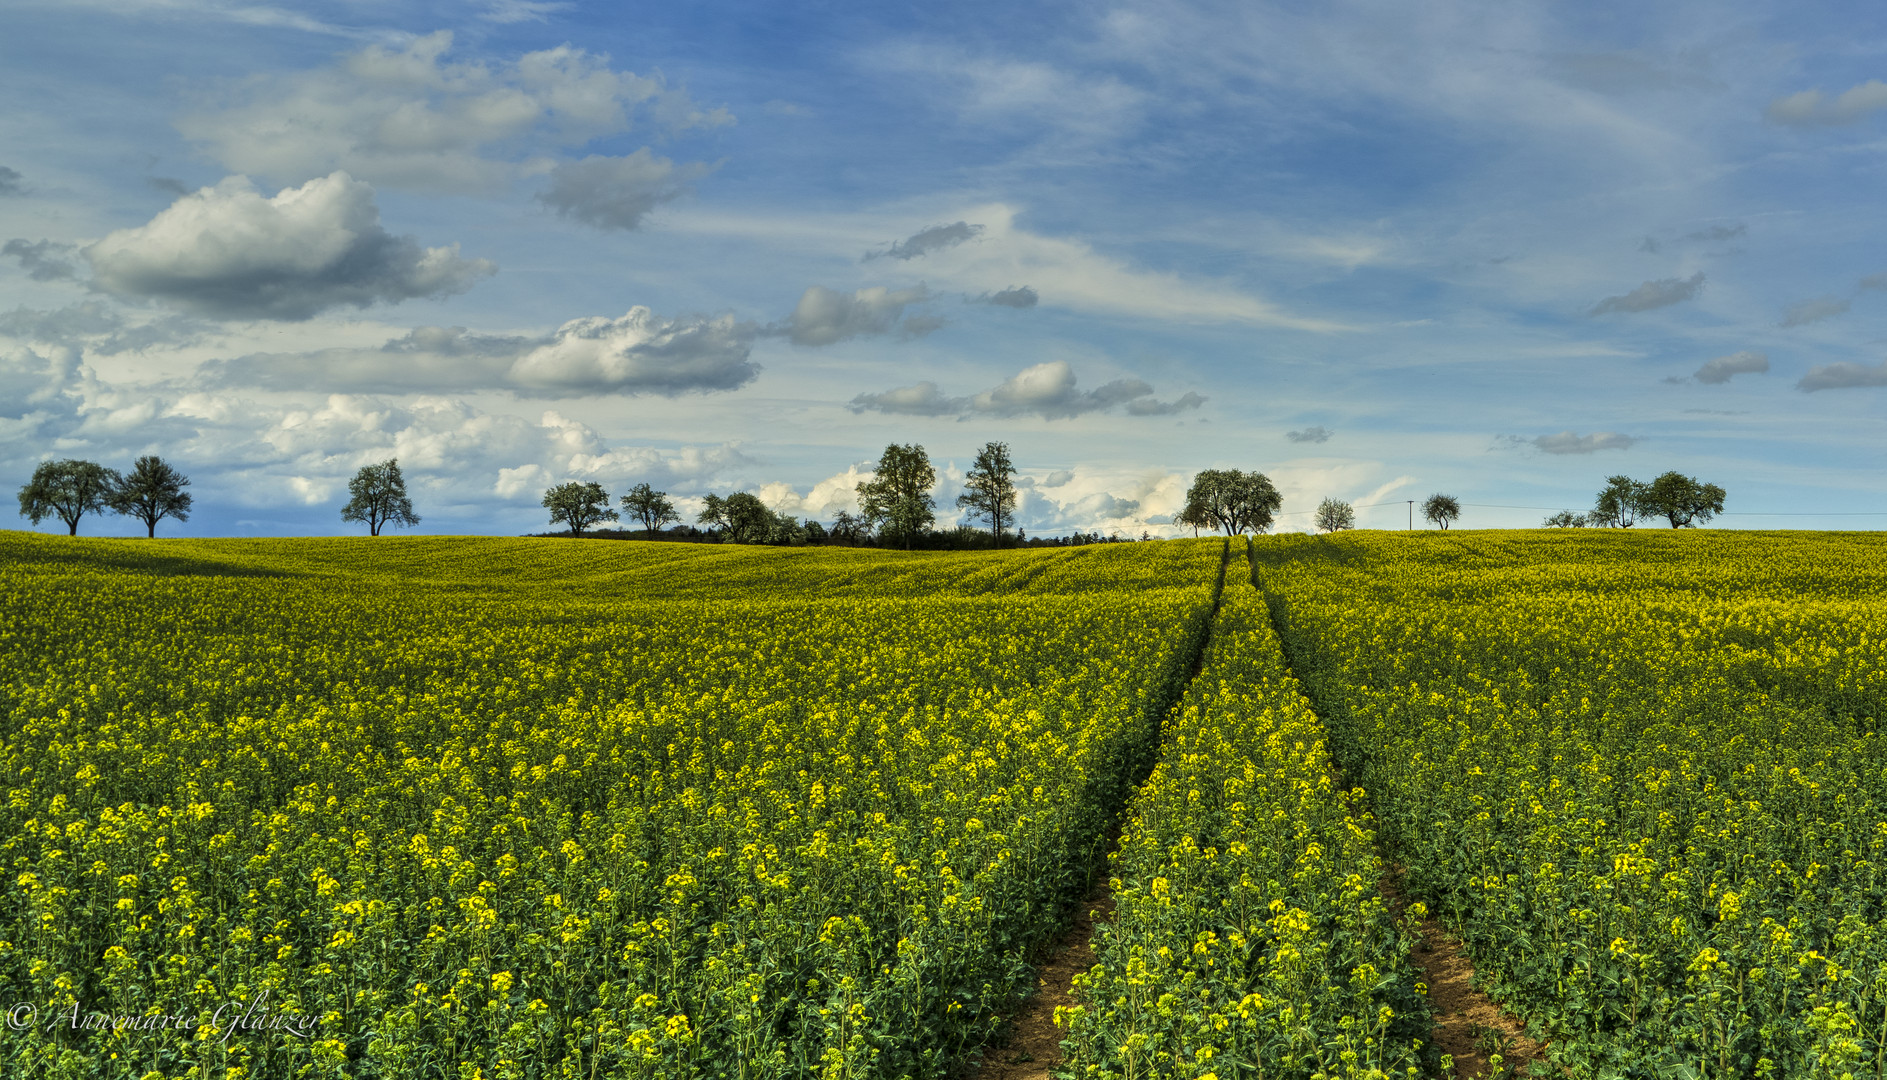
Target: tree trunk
{"points": [[150, 528], [72, 527]]}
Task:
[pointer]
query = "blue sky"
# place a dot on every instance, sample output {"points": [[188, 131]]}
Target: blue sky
{"points": [[1374, 250]]}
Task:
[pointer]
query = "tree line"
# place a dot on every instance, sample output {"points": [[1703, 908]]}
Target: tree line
{"points": [[896, 508]]}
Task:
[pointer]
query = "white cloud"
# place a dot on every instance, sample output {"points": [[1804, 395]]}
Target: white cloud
{"points": [[1653, 294], [1047, 390], [1721, 369], [1843, 376], [227, 252], [407, 118], [1809, 108], [1566, 442], [617, 192], [1071, 274], [640, 353], [43, 260], [824, 316], [1811, 311]]}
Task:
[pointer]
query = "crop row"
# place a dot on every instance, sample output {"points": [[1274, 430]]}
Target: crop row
{"points": [[532, 833], [1641, 775], [1248, 937]]}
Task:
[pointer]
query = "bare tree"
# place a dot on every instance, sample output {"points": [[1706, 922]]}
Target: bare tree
{"points": [[1334, 514]]}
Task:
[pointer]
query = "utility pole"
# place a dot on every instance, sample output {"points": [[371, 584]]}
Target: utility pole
{"points": [[1411, 515]]}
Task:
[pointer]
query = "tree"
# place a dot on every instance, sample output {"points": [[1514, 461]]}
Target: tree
{"points": [[896, 500], [1620, 504], [713, 512], [68, 490], [1682, 500], [650, 507], [379, 497], [989, 488], [748, 519], [1194, 514], [1333, 514], [1232, 500], [848, 528], [1441, 509], [578, 505], [1565, 519], [152, 492]]}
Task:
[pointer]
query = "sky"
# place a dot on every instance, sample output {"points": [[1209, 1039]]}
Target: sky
{"points": [[1374, 250]]}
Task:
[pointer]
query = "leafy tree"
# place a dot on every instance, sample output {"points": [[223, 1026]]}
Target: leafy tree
{"points": [[650, 507], [748, 519], [379, 497], [713, 512], [1682, 500], [989, 488], [152, 492], [897, 500], [1565, 519], [68, 490], [1194, 514], [1441, 509], [849, 528], [1334, 514], [815, 533], [578, 505], [1231, 500], [1620, 504]]}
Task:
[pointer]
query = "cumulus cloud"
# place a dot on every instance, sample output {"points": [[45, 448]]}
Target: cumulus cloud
{"points": [[409, 118], [1811, 311], [617, 192], [1568, 443], [639, 353], [1057, 478], [1319, 434], [1015, 296], [1810, 108], [825, 316], [1723, 368], [1843, 376], [1047, 390], [935, 238], [1653, 294], [11, 182], [43, 260], [228, 252]]}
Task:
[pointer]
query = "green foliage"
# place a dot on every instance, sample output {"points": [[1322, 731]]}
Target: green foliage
{"points": [[578, 505], [989, 489], [896, 501], [151, 492], [1683, 500], [649, 506], [67, 490], [378, 498], [1621, 503], [1441, 509], [1231, 500]]}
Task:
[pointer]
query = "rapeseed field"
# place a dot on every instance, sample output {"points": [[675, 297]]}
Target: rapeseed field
{"points": [[412, 807]]}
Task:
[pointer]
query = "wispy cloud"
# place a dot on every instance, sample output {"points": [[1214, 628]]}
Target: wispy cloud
{"points": [[1652, 295]]}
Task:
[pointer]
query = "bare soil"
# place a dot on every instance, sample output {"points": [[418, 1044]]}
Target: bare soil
{"points": [[1032, 1047], [1469, 1026]]}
